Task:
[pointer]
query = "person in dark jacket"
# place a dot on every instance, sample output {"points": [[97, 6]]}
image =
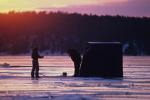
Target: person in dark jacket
{"points": [[35, 64], [76, 58]]}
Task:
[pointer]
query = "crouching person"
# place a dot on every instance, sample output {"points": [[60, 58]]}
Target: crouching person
{"points": [[35, 64], [76, 58]]}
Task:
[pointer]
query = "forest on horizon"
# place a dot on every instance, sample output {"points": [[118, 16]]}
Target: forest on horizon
{"points": [[55, 32]]}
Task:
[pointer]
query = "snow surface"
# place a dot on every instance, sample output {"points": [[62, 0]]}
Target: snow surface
{"points": [[16, 84]]}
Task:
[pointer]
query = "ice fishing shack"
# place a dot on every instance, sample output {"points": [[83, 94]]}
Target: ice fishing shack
{"points": [[102, 59]]}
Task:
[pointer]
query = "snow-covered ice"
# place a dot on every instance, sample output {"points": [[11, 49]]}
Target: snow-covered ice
{"points": [[16, 84]]}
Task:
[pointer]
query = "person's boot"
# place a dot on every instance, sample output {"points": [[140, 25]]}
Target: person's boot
{"points": [[37, 74], [32, 74]]}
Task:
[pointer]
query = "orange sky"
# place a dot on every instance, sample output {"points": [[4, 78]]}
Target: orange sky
{"points": [[99, 7], [23, 5]]}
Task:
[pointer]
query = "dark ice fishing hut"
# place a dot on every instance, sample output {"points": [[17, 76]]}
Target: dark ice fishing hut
{"points": [[102, 59]]}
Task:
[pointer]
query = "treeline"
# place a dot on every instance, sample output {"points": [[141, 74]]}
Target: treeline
{"points": [[56, 32]]}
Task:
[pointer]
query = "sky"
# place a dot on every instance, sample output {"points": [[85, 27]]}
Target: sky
{"points": [[98, 7]]}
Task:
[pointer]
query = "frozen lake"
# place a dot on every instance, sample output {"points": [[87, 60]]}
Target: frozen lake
{"points": [[15, 82]]}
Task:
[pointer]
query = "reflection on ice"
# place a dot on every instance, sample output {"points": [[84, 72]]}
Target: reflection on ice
{"points": [[15, 82], [56, 61]]}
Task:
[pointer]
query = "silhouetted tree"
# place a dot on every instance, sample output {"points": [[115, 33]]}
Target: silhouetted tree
{"points": [[58, 31]]}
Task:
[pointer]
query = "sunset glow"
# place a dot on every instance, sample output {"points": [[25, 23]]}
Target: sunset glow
{"points": [[24, 5], [99, 7]]}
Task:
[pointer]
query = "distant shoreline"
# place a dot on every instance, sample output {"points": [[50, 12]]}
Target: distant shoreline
{"points": [[43, 66], [29, 54]]}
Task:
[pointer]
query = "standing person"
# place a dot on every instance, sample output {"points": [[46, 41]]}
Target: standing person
{"points": [[76, 58], [35, 63]]}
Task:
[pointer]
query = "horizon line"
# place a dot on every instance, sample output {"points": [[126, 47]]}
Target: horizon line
{"points": [[65, 12]]}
